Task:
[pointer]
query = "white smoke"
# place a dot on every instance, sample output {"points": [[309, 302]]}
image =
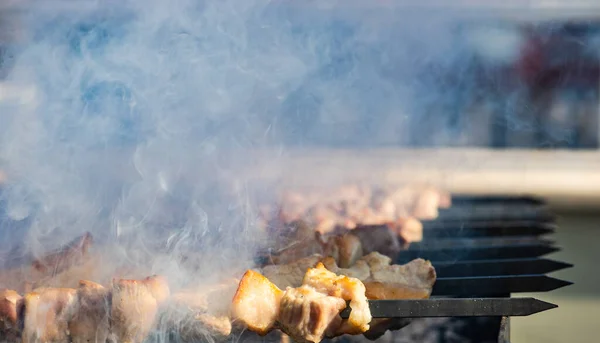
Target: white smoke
{"points": [[143, 112]]}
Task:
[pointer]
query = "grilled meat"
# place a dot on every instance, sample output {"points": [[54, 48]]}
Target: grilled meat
{"points": [[28, 276], [359, 270], [382, 280], [344, 287], [413, 280], [346, 249], [307, 315], [300, 240], [292, 274], [256, 303], [65, 257], [88, 321], [353, 206], [378, 238], [10, 307], [46, 313], [196, 313], [308, 311], [134, 308]]}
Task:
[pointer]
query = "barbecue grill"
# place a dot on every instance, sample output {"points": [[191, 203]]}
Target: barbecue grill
{"points": [[484, 250]]}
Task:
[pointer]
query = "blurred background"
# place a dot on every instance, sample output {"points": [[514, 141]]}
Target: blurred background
{"points": [[527, 77]]}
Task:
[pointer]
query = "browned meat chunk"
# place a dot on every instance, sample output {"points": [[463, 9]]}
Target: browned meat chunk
{"points": [[302, 241], [46, 315], [62, 259], [346, 288], [413, 280], [292, 274], [307, 315], [135, 305], [346, 249], [353, 206], [89, 319], [193, 314], [359, 270], [10, 307], [28, 276], [256, 303], [382, 280], [379, 238]]}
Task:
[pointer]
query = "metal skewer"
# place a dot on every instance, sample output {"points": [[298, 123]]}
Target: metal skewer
{"points": [[475, 307]]}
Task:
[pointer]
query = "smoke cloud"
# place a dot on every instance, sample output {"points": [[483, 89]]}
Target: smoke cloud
{"points": [[141, 113]]}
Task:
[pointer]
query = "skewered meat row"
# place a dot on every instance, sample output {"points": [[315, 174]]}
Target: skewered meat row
{"points": [[382, 280], [308, 310], [345, 247], [306, 313], [354, 208], [301, 241], [130, 309], [24, 278], [355, 205], [126, 312]]}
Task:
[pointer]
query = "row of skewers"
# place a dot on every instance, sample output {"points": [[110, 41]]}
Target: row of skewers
{"points": [[299, 287]]}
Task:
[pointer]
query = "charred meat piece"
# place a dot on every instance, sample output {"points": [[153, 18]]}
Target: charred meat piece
{"points": [[65, 257], [389, 239], [292, 274], [359, 270], [378, 238], [36, 274], [347, 288], [382, 280], [409, 229], [208, 299], [194, 314], [346, 248], [192, 326], [256, 303], [306, 313], [413, 280], [134, 308], [11, 304], [89, 319], [308, 316], [46, 312], [352, 206], [216, 327]]}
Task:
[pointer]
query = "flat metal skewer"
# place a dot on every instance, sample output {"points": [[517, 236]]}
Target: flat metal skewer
{"points": [[478, 212], [488, 242], [483, 229], [476, 307], [499, 267], [488, 285], [468, 224], [478, 253], [458, 199]]}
